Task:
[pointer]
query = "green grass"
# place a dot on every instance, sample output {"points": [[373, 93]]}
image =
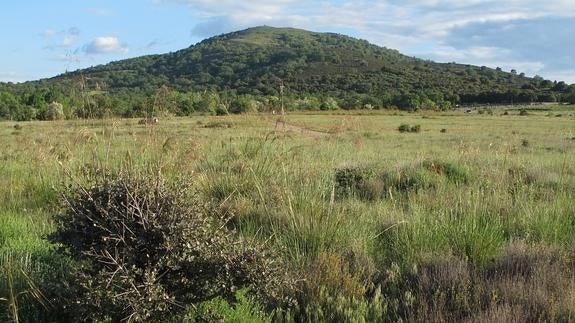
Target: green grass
{"points": [[477, 188]]}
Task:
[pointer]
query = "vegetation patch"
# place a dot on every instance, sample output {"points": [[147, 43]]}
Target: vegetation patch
{"points": [[407, 128], [218, 124], [370, 182], [453, 171], [146, 248]]}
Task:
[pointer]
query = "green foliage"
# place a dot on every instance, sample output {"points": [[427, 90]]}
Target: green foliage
{"points": [[54, 111], [453, 171], [329, 104], [404, 127], [466, 227], [371, 183], [247, 69], [337, 289], [219, 309], [221, 110]]}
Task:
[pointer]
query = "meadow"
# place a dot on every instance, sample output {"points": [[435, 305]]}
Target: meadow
{"points": [[469, 217]]}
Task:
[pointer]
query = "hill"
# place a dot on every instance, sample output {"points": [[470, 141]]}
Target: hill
{"points": [[310, 65]]}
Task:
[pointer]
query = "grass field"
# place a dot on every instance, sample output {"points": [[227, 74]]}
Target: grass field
{"points": [[470, 219]]}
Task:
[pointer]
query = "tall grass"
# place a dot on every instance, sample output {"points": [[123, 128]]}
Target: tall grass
{"points": [[473, 197]]}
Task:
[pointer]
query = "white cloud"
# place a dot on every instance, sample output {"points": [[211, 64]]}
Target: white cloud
{"points": [[60, 39], [106, 45], [565, 75]]}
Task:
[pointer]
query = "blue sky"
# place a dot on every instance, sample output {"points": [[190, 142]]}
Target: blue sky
{"points": [[46, 38]]}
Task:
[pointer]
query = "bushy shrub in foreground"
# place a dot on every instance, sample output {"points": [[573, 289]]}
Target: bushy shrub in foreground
{"points": [[146, 249]]}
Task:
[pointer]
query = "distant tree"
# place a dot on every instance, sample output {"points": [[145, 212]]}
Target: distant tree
{"points": [[54, 111], [9, 105], [244, 104], [547, 97], [570, 95], [209, 103], [163, 104], [329, 103], [560, 86]]}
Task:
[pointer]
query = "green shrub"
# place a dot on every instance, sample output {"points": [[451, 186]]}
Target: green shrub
{"points": [[410, 179], [370, 184], [350, 179], [416, 128], [454, 172], [337, 290], [17, 126], [525, 143], [147, 246], [219, 309], [404, 127], [407, 128], [54, 111], [523, 112], [221, 110]]}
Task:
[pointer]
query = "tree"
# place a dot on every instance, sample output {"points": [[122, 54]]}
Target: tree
{"points": [[329, 103], [9, 105], [54, 111], [570, 96], [560, 86]]}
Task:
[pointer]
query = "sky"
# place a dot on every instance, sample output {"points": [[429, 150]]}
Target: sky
{"points": [[45, 38]]}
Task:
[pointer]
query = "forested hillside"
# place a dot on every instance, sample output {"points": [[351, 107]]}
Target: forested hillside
{"points": [[244, 71]]}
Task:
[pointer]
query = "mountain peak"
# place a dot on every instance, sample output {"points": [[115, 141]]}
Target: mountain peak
{"points": [[250, 61]]}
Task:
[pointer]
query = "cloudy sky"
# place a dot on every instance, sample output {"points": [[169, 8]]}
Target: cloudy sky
{"points": [[45, 38]]}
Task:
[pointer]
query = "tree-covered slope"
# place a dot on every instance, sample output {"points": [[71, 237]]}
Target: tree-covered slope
{"points": [[255, 62]]}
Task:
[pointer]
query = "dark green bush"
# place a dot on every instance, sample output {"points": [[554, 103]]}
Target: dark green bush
{"points": [[221, 110], [350, 179], [525, 143], [416, 128], [523, 112], [404, 127], [369, 183], [407, 128], [147, 248]]}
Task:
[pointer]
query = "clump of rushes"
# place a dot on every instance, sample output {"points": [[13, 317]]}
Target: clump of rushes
{"points": [[408, 128]]}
